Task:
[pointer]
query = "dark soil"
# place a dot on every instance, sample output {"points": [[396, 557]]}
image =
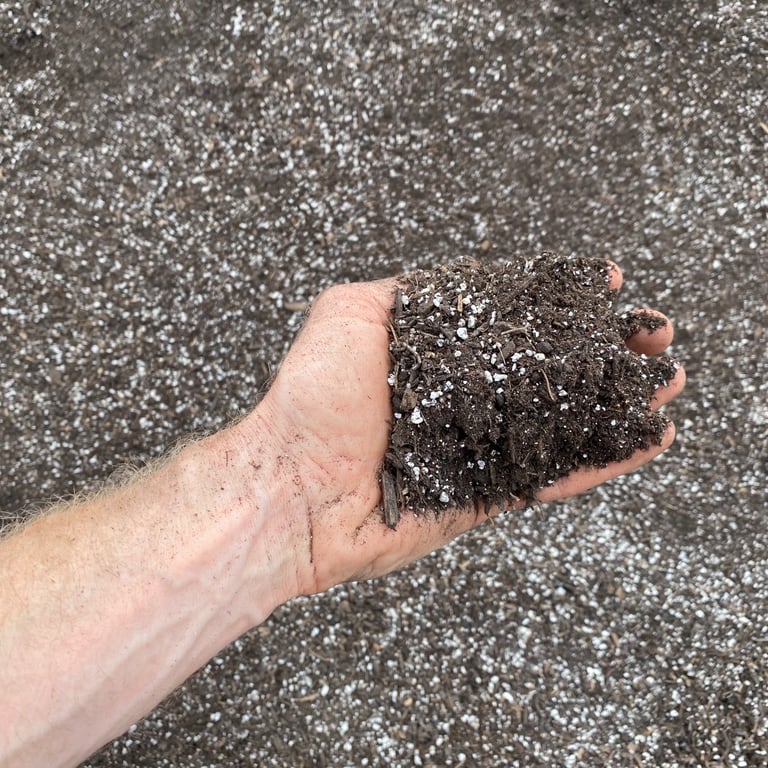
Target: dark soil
{"points": [[507, 378]]}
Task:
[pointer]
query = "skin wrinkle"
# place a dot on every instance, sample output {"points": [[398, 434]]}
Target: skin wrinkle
{"points": [[300, 493]]}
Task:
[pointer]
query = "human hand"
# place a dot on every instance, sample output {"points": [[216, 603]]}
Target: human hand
{"points": [[330, 415]]}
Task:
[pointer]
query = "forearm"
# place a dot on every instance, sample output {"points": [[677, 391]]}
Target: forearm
{"points": [[106, 607]]}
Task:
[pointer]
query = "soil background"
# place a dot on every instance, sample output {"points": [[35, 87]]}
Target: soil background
{"points": [[177, 180]]}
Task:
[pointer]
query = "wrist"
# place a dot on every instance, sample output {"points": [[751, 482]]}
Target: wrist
{"points": [[251, 487]]}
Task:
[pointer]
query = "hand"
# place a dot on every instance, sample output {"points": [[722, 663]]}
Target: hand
{"points": [[330, 414]]}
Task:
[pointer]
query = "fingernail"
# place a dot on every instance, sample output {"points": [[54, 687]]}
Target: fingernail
{"points": [[614, 273]]}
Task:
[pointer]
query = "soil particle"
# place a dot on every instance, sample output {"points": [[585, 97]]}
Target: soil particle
{"points": [[506, 378]]}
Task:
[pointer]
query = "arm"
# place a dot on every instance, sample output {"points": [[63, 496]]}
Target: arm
{"points": [[106, 606]]}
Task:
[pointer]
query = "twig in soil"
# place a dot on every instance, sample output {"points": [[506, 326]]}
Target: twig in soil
{"points": [[389, 499], [415, 354], [398, 303], [549, 388]]}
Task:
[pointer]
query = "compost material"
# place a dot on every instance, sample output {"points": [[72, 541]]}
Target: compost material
{"points": [[507, 378]]}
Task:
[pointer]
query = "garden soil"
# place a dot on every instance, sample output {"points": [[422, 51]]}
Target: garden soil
{"points": [[506, 379]]}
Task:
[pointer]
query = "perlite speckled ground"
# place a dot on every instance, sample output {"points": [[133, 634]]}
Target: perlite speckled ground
{"points": [[176, 179]]}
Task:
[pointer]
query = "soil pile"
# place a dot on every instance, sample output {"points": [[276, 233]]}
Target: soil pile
{"points": [[507, 378]]}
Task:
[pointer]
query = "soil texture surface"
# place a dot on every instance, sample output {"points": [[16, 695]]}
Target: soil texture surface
{"points": [[507, 378], [179, 179]]}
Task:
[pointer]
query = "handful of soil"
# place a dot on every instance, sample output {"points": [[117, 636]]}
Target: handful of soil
{"points": [[505, 379]]}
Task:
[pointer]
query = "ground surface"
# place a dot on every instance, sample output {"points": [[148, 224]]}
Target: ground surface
{"points": [[177, 178]]}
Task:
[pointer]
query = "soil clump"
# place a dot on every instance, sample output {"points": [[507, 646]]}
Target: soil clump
{"points": [[505, 379]]}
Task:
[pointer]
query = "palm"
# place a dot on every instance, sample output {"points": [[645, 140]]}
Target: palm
{"points": [[332, 391]]}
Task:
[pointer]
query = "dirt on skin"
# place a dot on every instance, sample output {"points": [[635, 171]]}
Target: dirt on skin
{"points": [[507, 378]]}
